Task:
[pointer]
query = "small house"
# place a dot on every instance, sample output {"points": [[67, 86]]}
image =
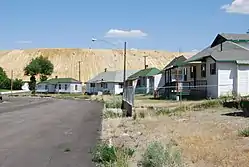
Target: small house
{"points": [[59, 85], [108, 82], [145, 81]]}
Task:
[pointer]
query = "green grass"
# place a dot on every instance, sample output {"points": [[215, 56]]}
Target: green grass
{"points": [[207, 104], [4, 90]]}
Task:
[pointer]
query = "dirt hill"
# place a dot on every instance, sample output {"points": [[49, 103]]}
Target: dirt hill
{"points": [[92, 61]]}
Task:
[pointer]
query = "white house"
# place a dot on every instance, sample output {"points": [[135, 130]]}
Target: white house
{"points": [[145, 81], [59, 85], [107, 82], [219, 70]]}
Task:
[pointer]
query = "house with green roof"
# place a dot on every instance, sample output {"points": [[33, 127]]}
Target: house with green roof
{"points": [[145, 81], [220, 69], [59, 85]]}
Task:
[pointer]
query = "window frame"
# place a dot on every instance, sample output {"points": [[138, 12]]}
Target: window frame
{"points": [[213, 69], [203, 70]]}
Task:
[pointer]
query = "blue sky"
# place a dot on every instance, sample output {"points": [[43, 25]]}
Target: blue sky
{"points": [[158, 24]]}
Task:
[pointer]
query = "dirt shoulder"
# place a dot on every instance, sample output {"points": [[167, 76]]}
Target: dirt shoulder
{"points": [[205, 138]]}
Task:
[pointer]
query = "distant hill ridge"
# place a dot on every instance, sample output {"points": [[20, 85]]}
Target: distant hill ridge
{"points": [[92, 61]]}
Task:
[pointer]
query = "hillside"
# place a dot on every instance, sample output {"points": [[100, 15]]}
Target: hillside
{"points": [[92, 61]]}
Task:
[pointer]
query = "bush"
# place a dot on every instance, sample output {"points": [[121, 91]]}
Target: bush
{"points": [[115, 102], [111, 156], [17, 84], [244, 132], [111, 114], [157, 155]]}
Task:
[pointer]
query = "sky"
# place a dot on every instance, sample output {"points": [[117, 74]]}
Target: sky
{"points": [[160, 24]]}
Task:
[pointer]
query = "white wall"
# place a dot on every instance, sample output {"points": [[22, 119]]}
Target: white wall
{"points": [[227, 79], [157, 80], [243, 80], [162, 81], [51, 88], [112, 87], [40, 88], [212, 80]]}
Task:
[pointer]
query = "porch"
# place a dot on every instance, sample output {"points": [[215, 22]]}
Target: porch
{"points": [[184, 89]]}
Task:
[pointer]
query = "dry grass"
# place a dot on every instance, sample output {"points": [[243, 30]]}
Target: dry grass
{"points": [[206, 138], [93, 61]]}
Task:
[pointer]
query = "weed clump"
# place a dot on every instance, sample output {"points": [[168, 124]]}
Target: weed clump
{"points": [[158, 155], [244, 132], [105, 155]]}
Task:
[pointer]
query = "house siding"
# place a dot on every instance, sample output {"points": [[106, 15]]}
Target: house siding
{"points": [[243, 80], [157, 80], [227, 80], [52, 89], [113, 88]]}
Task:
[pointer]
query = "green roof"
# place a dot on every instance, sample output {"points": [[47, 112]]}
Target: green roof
{"points": [[145, 73], [177, 61], [54, 81]]}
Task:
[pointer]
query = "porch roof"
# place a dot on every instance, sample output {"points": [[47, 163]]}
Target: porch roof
{"points": [[177, 61], [144, 73]]}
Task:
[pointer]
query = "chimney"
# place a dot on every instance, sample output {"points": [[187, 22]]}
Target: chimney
{"points": [[105, 69]]}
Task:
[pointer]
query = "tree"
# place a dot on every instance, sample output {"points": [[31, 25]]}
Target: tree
{"points": [[40, 65], [4, 80]]}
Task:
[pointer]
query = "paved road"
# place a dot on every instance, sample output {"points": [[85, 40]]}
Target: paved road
{"points": [[40, 131]]}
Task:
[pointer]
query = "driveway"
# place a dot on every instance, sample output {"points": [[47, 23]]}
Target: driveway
{"points": [[48, 132]]}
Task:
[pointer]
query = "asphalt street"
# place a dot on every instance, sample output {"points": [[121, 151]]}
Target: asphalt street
{"points": [[48, 132]]}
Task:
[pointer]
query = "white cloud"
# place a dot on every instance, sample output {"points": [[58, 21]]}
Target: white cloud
{"points": [[195, 50], [237, 6], [123, 33], [23, 42]]}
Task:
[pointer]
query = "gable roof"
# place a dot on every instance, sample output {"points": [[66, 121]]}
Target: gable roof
{"points": [[54, 81], [145, 73], [238, 56], [227, 46], [111, 76], [220, 38], [175, 62]]}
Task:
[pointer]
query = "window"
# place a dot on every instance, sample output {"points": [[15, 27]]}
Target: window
{"points": [[59, 86], [46, 87], [185, 74], [203, 70], [76, 87], [138, 82], [103, 85], [192, 72], [65, 86], [92, 85], [213, 68], [120, 85]]}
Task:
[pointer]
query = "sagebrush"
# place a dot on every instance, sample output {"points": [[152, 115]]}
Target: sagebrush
{"points": [[158, 155]]}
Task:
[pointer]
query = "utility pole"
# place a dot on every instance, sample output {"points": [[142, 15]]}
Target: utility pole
{"points": [[124, 65], [11, 83], [145, 62], [79, 71]]}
